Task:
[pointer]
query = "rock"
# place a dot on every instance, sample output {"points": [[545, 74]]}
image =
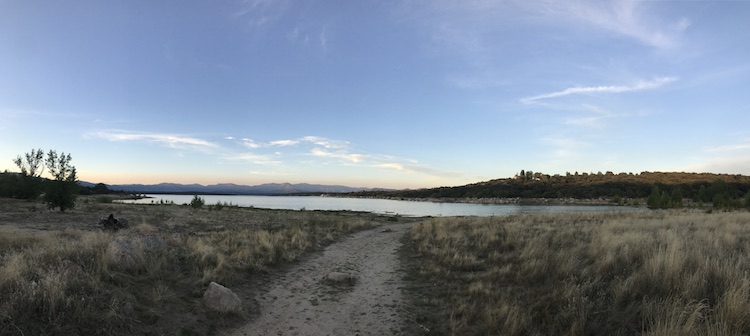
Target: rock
{"points": [[221, 299], [341, 278]]}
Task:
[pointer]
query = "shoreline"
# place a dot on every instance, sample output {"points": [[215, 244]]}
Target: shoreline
{"points": [[502, 201]]}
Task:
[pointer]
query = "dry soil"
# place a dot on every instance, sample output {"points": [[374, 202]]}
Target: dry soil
{"points": [[303, 302]]}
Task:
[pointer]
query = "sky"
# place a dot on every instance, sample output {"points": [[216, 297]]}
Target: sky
{"points": [[392, 94]]}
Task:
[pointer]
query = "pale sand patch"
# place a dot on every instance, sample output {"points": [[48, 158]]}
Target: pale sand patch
{"points": [[302, 302]]}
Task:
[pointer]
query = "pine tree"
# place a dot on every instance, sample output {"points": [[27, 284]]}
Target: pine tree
{"points": [[654, 199]]}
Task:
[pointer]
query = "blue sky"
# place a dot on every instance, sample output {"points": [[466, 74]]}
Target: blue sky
{"points": [[398, 94]]}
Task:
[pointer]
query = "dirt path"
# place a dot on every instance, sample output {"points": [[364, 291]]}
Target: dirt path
{"points": [[302, 302]]}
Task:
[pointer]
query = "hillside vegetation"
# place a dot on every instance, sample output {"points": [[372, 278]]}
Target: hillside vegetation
{"points": [[528, 185]]}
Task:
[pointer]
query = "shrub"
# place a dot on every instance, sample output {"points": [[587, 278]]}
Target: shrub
{"points": [[197, 202]]}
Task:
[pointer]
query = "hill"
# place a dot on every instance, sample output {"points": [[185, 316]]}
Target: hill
{"points": [[527, 185]]}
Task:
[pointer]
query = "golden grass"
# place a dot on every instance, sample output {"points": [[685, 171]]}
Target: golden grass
{"points": [[77, 280], [656, 273]]}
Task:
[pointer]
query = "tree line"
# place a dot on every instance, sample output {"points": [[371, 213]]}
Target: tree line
{"points": [[721, 190], [59, 190]]}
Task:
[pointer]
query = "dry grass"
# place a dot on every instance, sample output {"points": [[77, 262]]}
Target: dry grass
{"points": [[61, 275], [656, 273]]}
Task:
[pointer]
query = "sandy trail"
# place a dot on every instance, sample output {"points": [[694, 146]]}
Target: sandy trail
{"points": [[302, 302]]}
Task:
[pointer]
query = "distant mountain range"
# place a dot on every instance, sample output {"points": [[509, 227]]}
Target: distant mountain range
{"points": [[233, 189]]}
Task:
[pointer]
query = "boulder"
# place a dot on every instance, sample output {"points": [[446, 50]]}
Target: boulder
{"points": [[221, 299]]}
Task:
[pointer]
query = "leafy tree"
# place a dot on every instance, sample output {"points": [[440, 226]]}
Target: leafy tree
{"points": [[31, 165], [63, 188]]}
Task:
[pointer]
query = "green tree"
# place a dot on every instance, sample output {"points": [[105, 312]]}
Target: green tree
{"points": [[654, 199], [62, 190], [676, 198], [197, 202], [8, 184], [31, 165], [665, 201]]}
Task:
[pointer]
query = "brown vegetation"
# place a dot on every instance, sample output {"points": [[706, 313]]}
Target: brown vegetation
{"points": [[530, 187], [657, 273], [59, 274]]}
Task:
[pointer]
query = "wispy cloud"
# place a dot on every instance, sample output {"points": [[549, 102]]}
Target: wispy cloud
{"points": [[596, 118], [416, 168], [258, 13], [253, 158], [249, 143], [283, 143], [742, 146], [565, 147], [639, 86], [625, 17], [356, 158], [171, 140], [633, 19], [309, 140], [325, 142]]}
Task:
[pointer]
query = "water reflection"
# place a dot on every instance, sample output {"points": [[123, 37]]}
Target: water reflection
{"points": [[404, 208]]}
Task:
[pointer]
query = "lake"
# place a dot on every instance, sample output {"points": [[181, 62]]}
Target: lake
{"points": [[380, 206]]}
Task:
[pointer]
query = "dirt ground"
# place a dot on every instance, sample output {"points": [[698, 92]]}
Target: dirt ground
{"points": [[292, 299], [303, 302]]}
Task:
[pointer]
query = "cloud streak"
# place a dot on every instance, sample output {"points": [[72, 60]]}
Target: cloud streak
{"points": [[171, 140], [625, 17], [252, 158], [310, 140], [355, 158], [640, 86]]}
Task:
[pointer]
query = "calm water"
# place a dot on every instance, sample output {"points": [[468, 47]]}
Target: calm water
{"points": [[405, 208]]}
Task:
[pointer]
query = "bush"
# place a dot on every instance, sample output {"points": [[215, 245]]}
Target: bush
{"points": [[61, 194], [197, 202]]}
